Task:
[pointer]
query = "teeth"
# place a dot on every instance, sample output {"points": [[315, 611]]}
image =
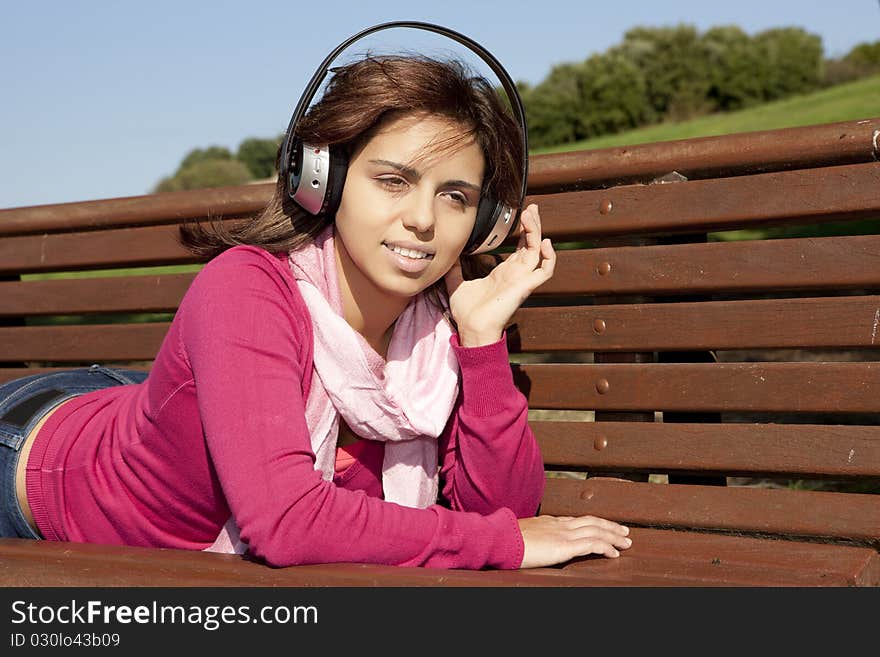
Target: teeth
{"points": [[409, 253]]}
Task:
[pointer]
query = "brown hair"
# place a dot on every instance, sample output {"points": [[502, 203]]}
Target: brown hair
{"points": [[357, 100]]}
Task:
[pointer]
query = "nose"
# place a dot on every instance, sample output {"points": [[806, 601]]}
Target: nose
{"points": [[418, 214]]}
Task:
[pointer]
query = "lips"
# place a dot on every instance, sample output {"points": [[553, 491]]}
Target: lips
{"points": [[409, 250], [411, 265]]}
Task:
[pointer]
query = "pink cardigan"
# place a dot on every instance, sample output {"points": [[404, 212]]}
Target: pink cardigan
{"points": [[219, 428]]}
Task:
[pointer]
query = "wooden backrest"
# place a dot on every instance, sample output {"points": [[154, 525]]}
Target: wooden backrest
{"points": [[677, 379]]}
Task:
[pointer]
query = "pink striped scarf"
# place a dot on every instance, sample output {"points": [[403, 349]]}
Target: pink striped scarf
{"points": [[405, 401]]}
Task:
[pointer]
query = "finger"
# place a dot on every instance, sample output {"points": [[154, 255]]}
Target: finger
{"points": [[534, 232], [521, 242], [599, 523], [537, 218], [608, 550], [523, 220], [530, 210], [529, 246], [525, 225], [548, 255], [593, 546], [537, 214], [539, 275], [604, 536]]}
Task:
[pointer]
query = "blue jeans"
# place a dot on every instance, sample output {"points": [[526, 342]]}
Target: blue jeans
{"points": [[23, 402]]}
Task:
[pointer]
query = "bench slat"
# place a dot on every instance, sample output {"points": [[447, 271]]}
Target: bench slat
{"points": [[684, 558], [96, 342], [657, 558], [804, 196], [758, 387], [776, 323], [831, 144], [36, 563], [123, 294], [823, 322], [156, 245], [771, 511], [841, 451], [755, 387], [828, 263], [129, 211]]}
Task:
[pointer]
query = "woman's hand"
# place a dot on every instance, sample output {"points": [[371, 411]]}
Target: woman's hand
{"points": [[550, 540], [482, 307]]}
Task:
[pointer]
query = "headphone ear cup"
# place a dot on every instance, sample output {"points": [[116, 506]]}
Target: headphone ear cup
{"points": [[487, 213], [336, 180], [495, 221], [316, 177]]}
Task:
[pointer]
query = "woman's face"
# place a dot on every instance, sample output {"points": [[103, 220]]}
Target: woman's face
{"points": [[408, 206]]}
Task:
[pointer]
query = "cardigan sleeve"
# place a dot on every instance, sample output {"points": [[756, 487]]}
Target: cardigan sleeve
{"points": [[490, 458], [247, 338]]}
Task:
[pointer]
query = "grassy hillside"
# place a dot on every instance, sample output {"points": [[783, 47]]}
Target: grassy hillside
{"points": [[850, 101]]}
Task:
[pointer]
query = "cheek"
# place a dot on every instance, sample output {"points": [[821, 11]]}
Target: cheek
{"points": [[352, 196], [455, 239], [460, 229], [358, 209]]}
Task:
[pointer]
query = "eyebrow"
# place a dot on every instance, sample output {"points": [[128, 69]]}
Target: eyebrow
{"points": [[415, 175]]}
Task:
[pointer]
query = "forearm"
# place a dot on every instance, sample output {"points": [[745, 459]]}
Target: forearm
{"points": [[490, 456], [332, 524]]}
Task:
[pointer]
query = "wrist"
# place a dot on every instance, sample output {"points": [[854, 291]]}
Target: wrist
{"points": [[468, 338]]}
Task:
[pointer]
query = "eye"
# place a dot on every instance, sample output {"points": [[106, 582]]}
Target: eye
{"points": [[395, 183], [457, 197]]}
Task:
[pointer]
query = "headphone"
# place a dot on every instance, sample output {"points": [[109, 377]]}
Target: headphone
{"points": [[315, 173]]}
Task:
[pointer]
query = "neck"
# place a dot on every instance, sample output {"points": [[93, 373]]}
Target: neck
{"points": [[368, 310]]}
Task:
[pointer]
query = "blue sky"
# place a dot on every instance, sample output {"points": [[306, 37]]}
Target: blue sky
{"points": [[102, 99]]}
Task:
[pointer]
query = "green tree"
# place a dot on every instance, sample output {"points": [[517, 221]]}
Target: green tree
{"points": [[674, 64], [790, 61], [258, 155], [206, 173], [202, 154], [860, 62], [733, 61], [865, 54], [553, 106], [613, 96]]}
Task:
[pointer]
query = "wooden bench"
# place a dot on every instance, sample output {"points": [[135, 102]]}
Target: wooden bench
{"points": [[720, 397]]}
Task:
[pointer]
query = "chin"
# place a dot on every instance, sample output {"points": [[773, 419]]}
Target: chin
{"points": [[402, 287], [408, 291]]}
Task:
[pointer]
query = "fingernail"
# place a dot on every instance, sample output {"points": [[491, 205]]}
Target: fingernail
{"points": [[627, 542], [625, 531], [615, 554]]}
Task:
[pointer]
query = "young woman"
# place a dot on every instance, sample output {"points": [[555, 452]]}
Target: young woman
{"points": [[334, 387]]}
